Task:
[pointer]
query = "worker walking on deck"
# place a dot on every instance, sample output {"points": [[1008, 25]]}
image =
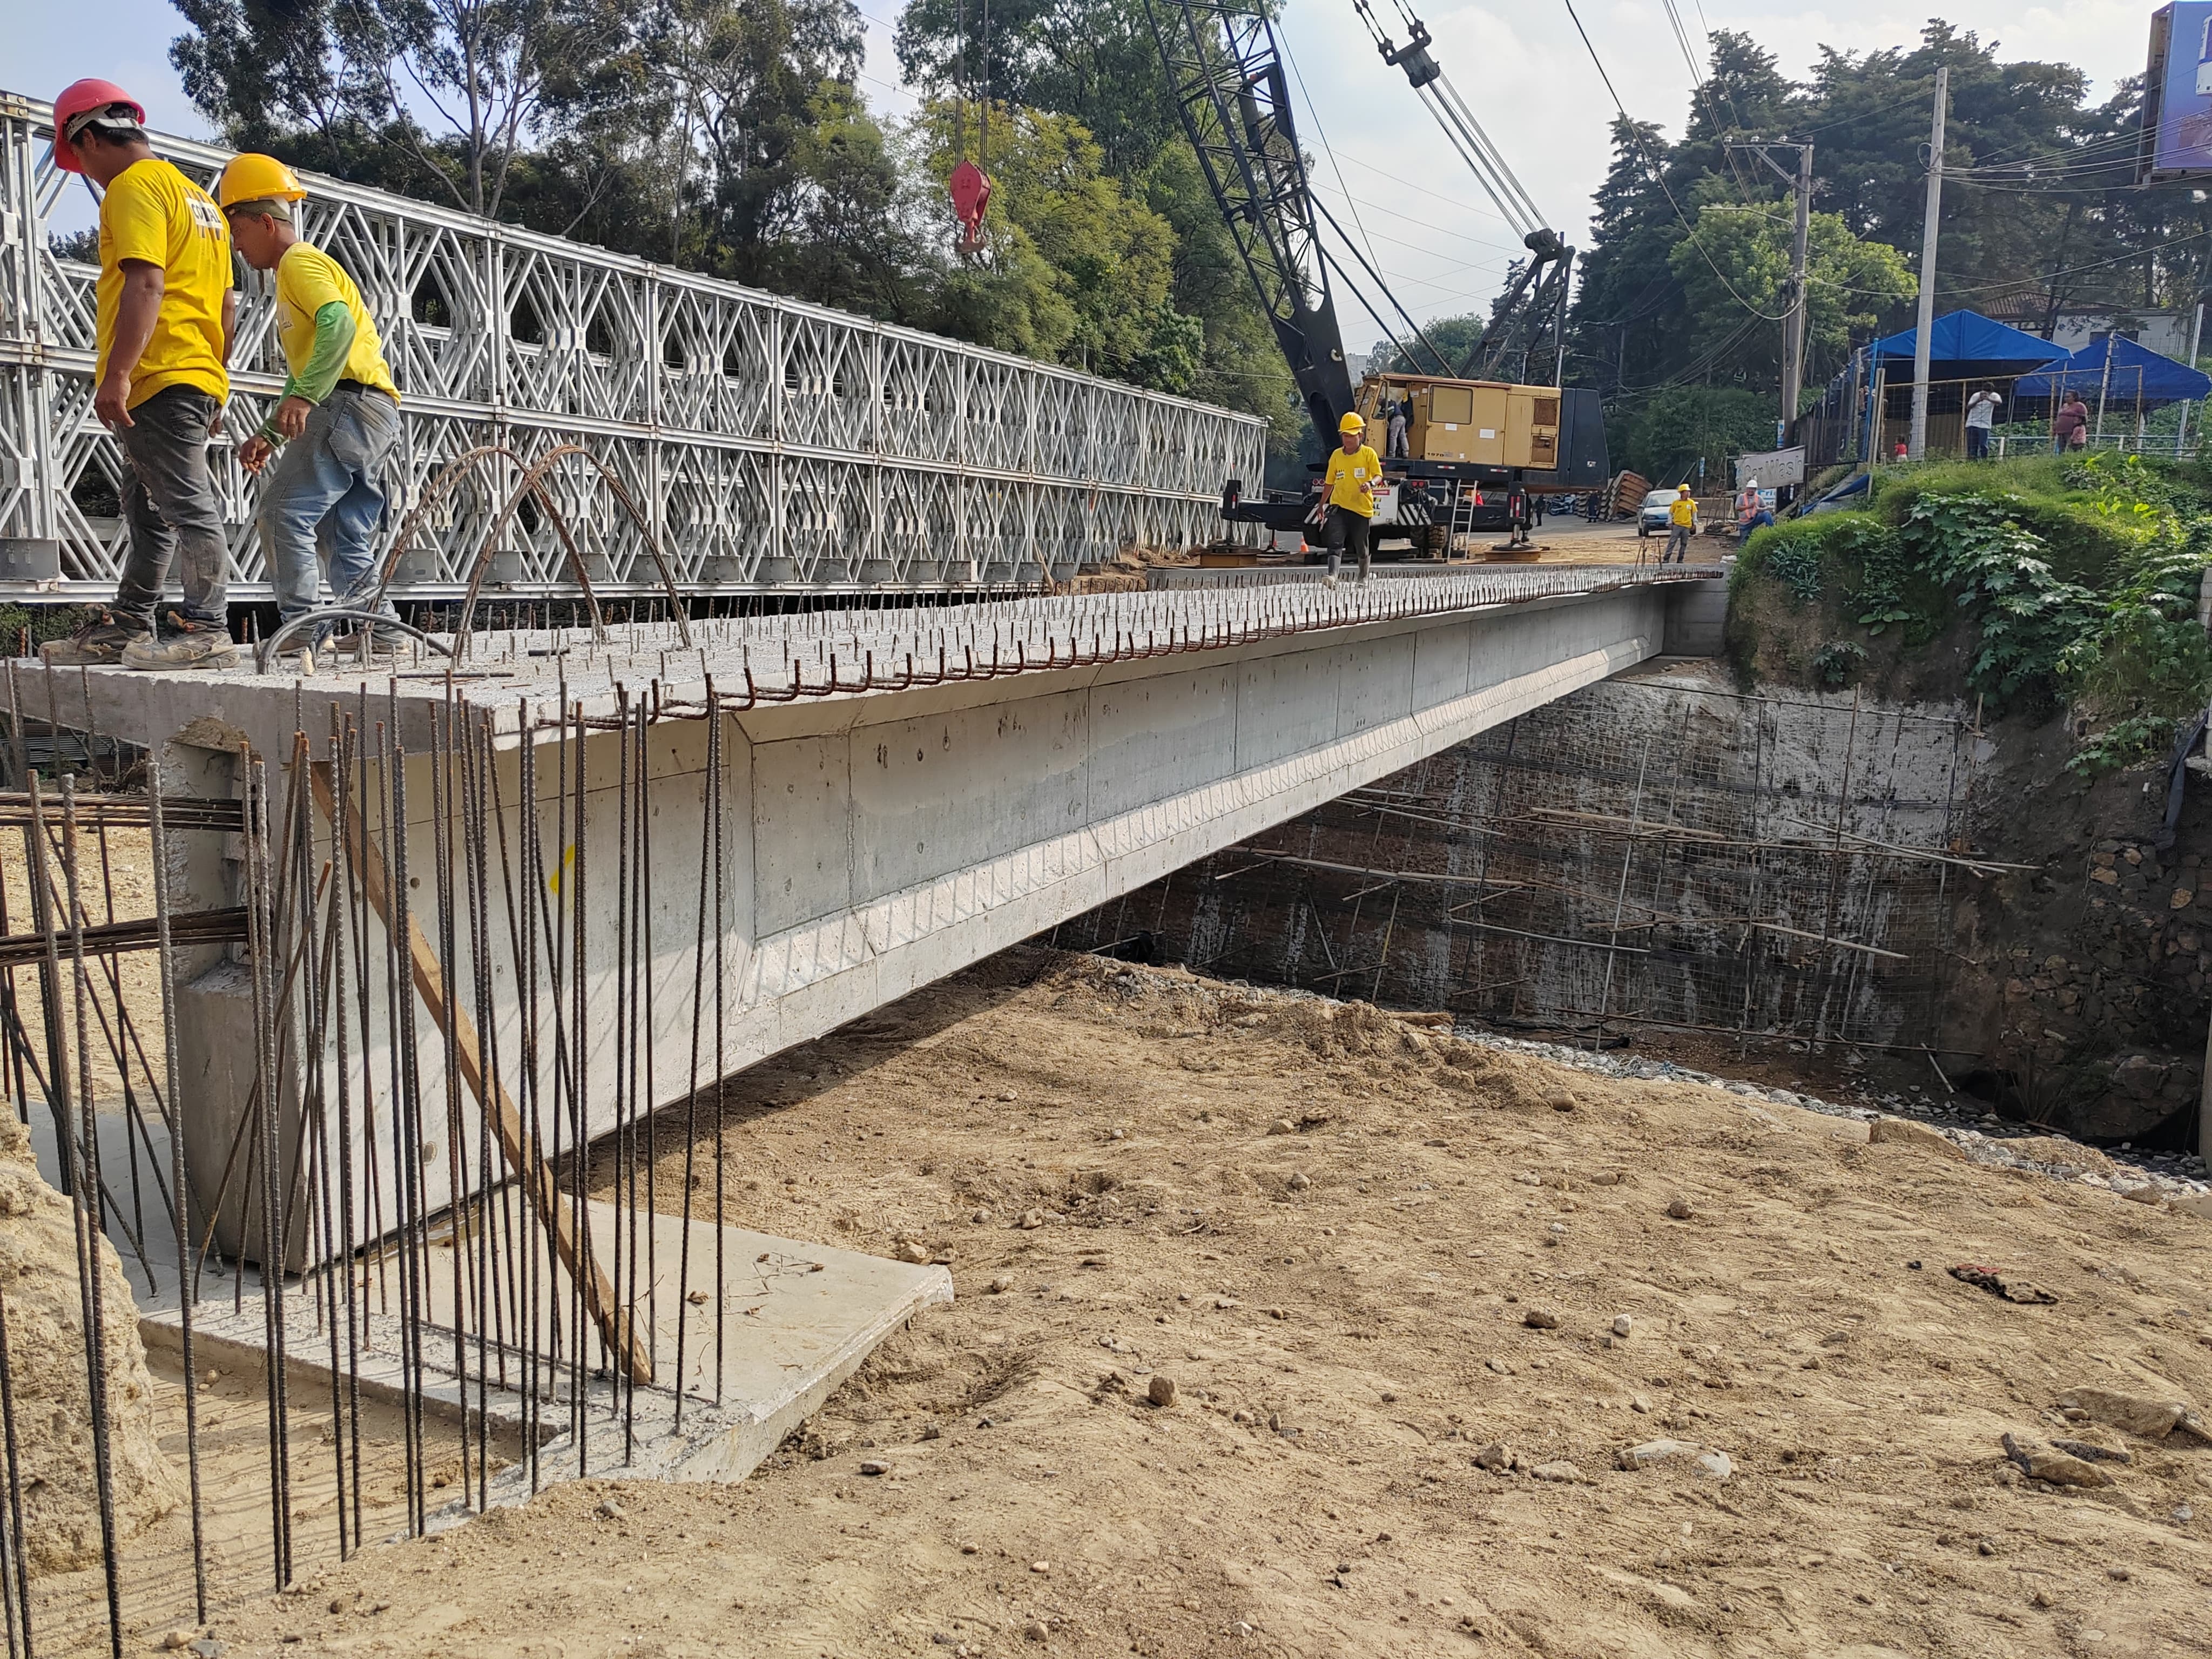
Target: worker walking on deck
{"points": [[337, 418], [1348, 486], [164, 315], [1681, 524]]}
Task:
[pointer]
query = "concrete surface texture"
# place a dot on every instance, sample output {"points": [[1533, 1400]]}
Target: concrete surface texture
{"points": [[771, 1329], [844, 847]]}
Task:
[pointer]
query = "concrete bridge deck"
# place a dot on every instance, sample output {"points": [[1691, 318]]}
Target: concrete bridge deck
{"points": [[891, 793]]}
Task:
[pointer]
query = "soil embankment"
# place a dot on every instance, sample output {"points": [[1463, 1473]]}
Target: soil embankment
{"points": [[1418, 1300]]}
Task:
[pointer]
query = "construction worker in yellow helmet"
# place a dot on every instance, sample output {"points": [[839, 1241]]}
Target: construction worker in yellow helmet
{"points": [[337, 421], [1681, 524], [1348, 483]]}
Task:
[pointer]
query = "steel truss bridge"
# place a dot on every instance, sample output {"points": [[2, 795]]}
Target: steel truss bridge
{"points": [[763, 444]]}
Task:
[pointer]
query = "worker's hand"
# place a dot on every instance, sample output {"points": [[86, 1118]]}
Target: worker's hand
{"points": [[292, 417], [112, 403], [253, 454]]}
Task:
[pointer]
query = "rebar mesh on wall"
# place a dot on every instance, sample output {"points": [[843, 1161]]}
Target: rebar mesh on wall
{"points": [[1658, 849]]}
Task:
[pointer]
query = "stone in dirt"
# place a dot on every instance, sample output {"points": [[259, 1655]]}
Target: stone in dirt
{"points": [[1494, 1457], [2041, 1463], [1622, 1324], [1541, 1319], [2011, 1286], [1563, 1473], [2151, 1418], [1903, 1132], [46, 1366], [1680, 1208], [1161, 1391], [2091, 1452]]}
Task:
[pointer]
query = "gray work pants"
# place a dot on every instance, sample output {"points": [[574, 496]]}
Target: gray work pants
{"points": [[169, 503], [325, 499]]}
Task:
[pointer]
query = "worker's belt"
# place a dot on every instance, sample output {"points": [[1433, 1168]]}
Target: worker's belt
{"points": [[349, 383]]}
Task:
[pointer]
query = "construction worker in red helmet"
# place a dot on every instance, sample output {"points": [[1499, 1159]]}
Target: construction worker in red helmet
{"points": [[1348, 483], [165, 315], [335, 425]]}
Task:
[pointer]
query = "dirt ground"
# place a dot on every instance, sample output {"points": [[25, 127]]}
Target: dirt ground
{"points": [[1373, 1260]]}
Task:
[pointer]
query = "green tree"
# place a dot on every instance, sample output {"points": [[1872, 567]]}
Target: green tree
{"points": [[1686, 425], [1736, 266]]}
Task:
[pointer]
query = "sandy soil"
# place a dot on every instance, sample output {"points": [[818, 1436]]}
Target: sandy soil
{"points": [[1344, 1240]]}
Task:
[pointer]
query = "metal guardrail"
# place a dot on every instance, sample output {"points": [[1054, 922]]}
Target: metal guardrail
{"points": [[771, 444]]}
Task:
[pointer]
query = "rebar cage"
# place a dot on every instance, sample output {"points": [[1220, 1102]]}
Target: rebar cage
{"points": [[770, 444]]}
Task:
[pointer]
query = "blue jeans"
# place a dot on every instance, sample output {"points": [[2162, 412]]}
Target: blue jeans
{"points": [[325, 499], [170, 504]]}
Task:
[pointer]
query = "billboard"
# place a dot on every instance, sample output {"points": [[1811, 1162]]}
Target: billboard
{"points": [[2177, 137]]}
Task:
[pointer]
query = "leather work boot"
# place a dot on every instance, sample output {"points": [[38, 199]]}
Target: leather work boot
{"points": [[191, 645], [379, 645], [99, 642]]}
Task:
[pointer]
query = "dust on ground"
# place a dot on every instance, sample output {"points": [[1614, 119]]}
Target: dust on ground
{"points": [[1376, 1262]]}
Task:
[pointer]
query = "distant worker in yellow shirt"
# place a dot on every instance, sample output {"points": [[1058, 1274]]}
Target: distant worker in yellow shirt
{"points": [[338, 419], [164, 313], [1681, 524], [1348, 485]]}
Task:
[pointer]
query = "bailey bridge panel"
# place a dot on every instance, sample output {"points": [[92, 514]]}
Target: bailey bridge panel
{"points": [[769, 444]]}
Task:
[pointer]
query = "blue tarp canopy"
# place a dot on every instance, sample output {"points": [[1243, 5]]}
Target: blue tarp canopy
{"points": [[1964, 345], [2138, 376]]}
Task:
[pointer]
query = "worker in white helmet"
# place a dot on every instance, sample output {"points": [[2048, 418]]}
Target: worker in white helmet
{"points": [[1348, 485]]}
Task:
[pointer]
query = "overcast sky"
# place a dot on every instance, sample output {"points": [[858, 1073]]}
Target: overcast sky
{"points": [[1523, 71]]}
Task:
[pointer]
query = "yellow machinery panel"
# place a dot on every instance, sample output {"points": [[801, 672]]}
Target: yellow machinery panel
{"points": [[1487, 423]]}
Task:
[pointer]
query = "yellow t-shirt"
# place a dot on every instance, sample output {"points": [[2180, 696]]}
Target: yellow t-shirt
{"points": [[1682, 511], [1344, 475], [307, 279], [152, 212]]}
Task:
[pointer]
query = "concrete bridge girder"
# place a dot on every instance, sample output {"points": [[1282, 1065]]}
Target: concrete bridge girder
{"points": [[872, 842]]}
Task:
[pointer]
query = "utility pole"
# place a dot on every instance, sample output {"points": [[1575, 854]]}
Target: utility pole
{"points": [[1794, 320], [1915, 444], [1794, 332]]}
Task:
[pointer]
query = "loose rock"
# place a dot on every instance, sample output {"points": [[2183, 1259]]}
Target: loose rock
{"points": [[1622, 1324], [1541, 1319], [2013, 1287], [2151, 1418], [1563, 1473], [1161, 1391], [1680, 1208], [2041, 1463]]}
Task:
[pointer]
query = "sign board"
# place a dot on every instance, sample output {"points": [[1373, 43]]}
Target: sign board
{"points": [[1787, 466], [2176, 135]]}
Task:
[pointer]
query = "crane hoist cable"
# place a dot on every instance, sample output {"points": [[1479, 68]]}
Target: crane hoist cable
{"points": [[1443, 363], [970, 185], [1461, 129]]}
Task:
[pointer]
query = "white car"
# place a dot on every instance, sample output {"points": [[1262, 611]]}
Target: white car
{"points": [[1652, 515]]}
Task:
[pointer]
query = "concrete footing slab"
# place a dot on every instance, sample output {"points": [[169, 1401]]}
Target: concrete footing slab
{"points": [[741, 1357]]}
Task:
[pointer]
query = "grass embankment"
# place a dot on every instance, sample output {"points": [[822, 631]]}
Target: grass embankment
{"points": [[2033, 584]]}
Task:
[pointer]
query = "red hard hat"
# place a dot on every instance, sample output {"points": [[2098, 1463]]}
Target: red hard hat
{"points": [[76, 99]]}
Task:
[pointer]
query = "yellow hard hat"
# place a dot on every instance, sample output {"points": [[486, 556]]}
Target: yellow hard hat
{"points": [[1682, 488], [251, 178], [1350, 422]]}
